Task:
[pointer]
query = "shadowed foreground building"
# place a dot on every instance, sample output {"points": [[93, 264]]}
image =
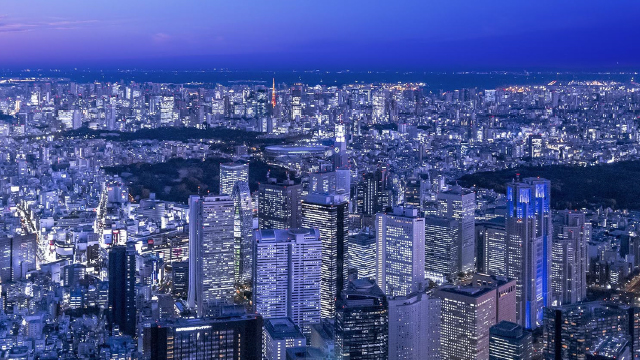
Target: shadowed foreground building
{"points": [[509, 341], [362, 322], [232, 335]]}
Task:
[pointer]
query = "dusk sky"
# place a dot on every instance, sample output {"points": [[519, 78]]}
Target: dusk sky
{"points": [[284, 34]]}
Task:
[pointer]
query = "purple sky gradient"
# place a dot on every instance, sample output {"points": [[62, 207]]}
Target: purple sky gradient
{"points": [[319, 34]]}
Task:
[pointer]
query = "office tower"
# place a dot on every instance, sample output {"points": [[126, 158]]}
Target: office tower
{"points": [[280, 334], [374, 192], [400, 251], [414, 327], [232, 172], [460, 204], [534, 146], [362, 322], [287, 274], [616, 347], [441, 257], [122, 282], [571, 331], [211, 251], [412, 193], [330, 182], [505, 294], [491, 241], [242, 231], [509, 341], [528, 258], [329, 214], [232, 335], [571, 234], [340, 158], [180, 278], [467, 314], [279, 205], [18, 257], [362, 254]]}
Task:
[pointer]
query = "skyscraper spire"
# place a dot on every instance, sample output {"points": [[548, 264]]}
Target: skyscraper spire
{"points": [[273, 93]]}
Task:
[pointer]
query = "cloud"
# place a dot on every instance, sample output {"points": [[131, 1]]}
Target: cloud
{"points": [[7, 26], [161, 38]]}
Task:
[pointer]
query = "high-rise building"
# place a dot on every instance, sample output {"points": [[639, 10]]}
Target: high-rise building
{"points": [[330, 182], [18, 256], [232, 172], [122, 293], [414, 327], [287, 274], [400, 251], [569, 256], [571, 331], [211, 250], [412, 193], [279, 205], [491, 241], [329, 214], [280, 334], [509, 341], [233, 336], [460, 204], [180, 278], [528, 250], [362, 322], [362, 254], [441, 257], [242, 231], [469, 311]]}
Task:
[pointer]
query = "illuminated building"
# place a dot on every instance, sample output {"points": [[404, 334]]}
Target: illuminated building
{"points": [[230, 173], [569, 257], [122, 282], [460, 204], [528, 250], [280, 334], [509, 341], [279, 205], [440, 251], [211, 250], [362, 254], [329, 214], [287, 274], [242, 231], [414, 327], [400, 251]]}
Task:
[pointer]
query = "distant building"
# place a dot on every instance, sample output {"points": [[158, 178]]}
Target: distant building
{"points": [[569, 257], [460, 204], [242, 231], [362, 254], [279, 205], [230, 173]]}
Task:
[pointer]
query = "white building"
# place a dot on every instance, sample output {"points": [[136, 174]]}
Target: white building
{"points": [[211, 250], [287, 274], [400, 251], [414, 327]]}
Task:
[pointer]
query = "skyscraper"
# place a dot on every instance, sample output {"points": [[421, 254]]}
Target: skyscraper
{"points": [[242, 231], [460, 204], [122, 282], [414, 327], [329, 214], [467, 314], [362, 322], [279, 205], [400, 251], [211, 250], [362, 254], [232, 172], [509, 341], [571, 235], [528, 250], [491, 240], [287, 274], [441, 257], [280, 334]]}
